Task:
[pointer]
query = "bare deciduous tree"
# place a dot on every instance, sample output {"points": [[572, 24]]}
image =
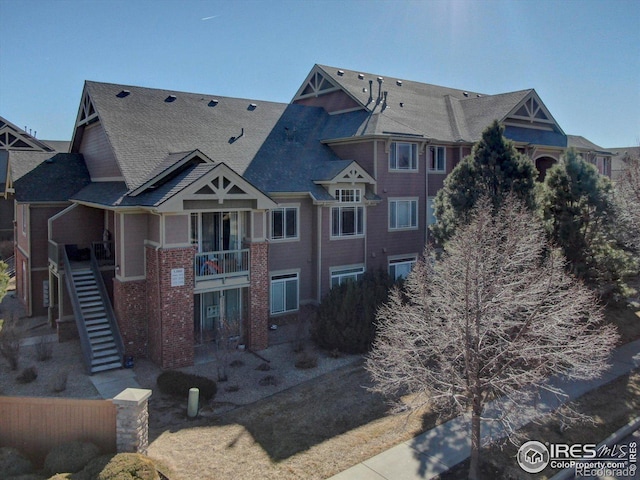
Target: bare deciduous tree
{"points": [[493, 317], [627, 191]]}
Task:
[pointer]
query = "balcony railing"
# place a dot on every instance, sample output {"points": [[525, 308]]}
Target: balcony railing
{"points": [[104, 253], [229, 263]]}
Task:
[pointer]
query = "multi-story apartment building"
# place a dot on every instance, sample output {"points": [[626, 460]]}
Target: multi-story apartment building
{"points": [[196, 209]]}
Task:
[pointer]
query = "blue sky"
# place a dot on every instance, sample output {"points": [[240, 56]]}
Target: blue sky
{"points": [[581, 56]]}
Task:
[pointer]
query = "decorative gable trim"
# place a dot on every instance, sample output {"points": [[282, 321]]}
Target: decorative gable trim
{"points": [[351, 174], [13, 138], [530, 112], [87, 113], [220, 185], [316, 84]]}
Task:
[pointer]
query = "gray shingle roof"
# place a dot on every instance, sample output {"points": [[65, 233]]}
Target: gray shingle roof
{"points": [[420, 109], [53, 180], [143, 128]]}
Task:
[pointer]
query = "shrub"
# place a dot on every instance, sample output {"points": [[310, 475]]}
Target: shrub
{"points": [[306, 360], [28, 375], [10, 343], [12, 462], [59, 383], [70, 457], [123, 466], [267, 381], [44, 350], [173, 382], [345, 320]]}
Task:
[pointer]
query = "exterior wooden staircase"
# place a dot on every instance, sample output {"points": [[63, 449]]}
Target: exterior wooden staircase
{"points": [[99, 335]]}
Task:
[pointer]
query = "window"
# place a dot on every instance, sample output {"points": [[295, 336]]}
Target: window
{"points": [[284, 223], [347, 220], [348, 195], [284, 293], [403, 156], [343, 274], [437, 159], [403, 214], [401, 267], [24, 219]]}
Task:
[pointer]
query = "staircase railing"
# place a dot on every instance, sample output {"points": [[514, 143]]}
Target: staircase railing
{"points": [[11, 266], [85, 343], [111, 316]]}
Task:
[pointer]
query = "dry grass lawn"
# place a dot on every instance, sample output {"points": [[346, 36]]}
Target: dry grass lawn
{"points": [[311, 431]]}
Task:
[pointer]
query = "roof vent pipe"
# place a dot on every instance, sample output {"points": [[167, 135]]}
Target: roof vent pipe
{"points": [[370, 91], [384, 102], [379, 89]]}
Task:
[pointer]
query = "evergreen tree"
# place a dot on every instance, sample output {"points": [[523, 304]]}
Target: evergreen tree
{"points": [[494, 169], [579, 211]]}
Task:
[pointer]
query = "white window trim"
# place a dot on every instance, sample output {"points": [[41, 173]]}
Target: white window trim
{"points": [[401, 260], [416, 162], [287, 275], [393, 200], [341, 272], [444, 165], [284, 239]]}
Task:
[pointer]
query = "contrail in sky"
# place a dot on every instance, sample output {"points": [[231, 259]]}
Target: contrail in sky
{"points": [[209, 18]]}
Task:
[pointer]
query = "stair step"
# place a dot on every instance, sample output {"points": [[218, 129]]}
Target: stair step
{"points": [[90, 304], [106, 359], [102, 342], [109, 366], [98, 335], [105, 353], [96, 322], [96, 328], [93, 315]]}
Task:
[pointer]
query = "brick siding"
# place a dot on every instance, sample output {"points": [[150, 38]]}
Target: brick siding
{"points": [[258, 327], [130, 307]]}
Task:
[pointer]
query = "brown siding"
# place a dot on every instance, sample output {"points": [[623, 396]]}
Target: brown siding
{"points": [[176, 229], [331, 102], [360, 152], [98, 154], [22, 218], [37, 291], [339, 252], [39, 217], [81, 226], [36, 425], [299, 254], [6, 219]]}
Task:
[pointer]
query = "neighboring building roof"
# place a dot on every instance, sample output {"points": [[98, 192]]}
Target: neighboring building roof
{"points": [[53, 180], [620, 155], [581, 143]]}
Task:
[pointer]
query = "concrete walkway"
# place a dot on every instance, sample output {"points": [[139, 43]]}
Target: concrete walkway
{"points": [[446, 445], [111, 383]]}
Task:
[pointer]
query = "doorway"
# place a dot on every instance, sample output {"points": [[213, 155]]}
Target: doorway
{"points": [[217, 314]]}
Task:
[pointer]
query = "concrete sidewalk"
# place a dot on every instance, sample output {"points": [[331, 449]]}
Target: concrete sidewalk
{"points": [[446, 445], [112, 382]]}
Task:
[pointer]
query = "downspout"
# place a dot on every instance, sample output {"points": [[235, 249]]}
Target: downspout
{"points": [[319, 267], [159, 306]]}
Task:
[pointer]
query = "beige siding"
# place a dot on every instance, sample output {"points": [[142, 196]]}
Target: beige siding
{"points": [[153, 231], [22, 226], [331, 102], [98, 154], [176, 229], [80, 226], [134, 232]]}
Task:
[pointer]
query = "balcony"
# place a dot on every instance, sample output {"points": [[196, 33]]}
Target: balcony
{"points": [[222, 267]]}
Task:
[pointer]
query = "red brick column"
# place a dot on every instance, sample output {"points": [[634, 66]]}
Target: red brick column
{"points": [[170, 306], [258, 327], [130, 307]]}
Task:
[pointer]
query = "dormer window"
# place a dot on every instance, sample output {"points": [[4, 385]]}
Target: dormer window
{"points": [[348, 195], [403, 156]]}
